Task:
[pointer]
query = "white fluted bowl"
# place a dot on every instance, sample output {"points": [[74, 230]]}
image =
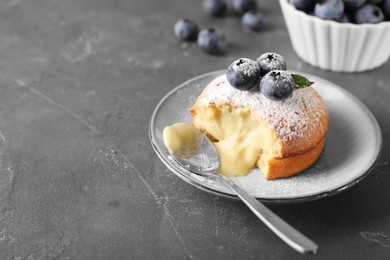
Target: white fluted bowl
{"points": [[342, 47]]}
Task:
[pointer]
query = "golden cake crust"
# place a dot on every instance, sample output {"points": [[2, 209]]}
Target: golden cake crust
{"points": [[299, 123]]}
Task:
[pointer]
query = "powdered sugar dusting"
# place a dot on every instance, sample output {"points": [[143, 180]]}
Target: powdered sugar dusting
{"points": [[293, 117], [247, 66]]}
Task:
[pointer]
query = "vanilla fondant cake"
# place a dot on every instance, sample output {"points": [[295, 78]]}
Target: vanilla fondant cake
{"points": [[282, 138]]}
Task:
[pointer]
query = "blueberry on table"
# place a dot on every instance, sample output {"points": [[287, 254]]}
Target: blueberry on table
{"points": [[277, 85], [186, 30], [271, 61], [369, 14], [212, 41], [352, 4], [252, 20], [243, 74], [303, 5], [329, 9], [216, 8], [243, 6]]}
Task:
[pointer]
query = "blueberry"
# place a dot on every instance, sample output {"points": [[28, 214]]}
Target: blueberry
{"points": [[277, 85], [303, 5], [374, 2], [243, 6], [369, 14], [353, 4], [252, 20], [271, 61], [186, 30], [344, 19], [243, 74], [212, 41], [329, 9], [216, 8], [386, 7]]}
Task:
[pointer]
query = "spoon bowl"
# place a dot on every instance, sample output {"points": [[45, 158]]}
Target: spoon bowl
{"points": [[205, 161]]}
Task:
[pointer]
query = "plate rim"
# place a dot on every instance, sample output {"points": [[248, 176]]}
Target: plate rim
{"points": [[280, 200]]}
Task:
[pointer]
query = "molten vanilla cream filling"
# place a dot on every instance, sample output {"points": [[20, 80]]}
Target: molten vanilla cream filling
{"points": [[241, 140], [182, 139]]}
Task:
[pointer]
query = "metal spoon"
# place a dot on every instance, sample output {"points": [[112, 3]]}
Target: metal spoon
{"points": [[205, 161]]}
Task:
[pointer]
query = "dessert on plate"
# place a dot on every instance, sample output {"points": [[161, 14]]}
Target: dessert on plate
{"points": [[260, 115]]}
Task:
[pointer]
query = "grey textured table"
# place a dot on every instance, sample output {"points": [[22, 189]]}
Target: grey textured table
{"points": [[79, 80]]}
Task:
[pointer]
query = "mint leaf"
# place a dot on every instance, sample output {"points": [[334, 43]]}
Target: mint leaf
{"points": [[300, 81]]}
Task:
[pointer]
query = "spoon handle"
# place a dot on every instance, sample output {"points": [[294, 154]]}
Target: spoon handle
{"points": [[287, 233]]}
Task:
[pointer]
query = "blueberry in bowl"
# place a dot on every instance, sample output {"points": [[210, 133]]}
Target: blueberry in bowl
{"points": [[329, 9], [386, 8], [303, 5], [369, 14], [353, 4], [339, 35]]}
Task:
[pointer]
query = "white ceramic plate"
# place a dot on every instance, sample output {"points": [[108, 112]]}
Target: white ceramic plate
{"points": [[352, 146]]}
